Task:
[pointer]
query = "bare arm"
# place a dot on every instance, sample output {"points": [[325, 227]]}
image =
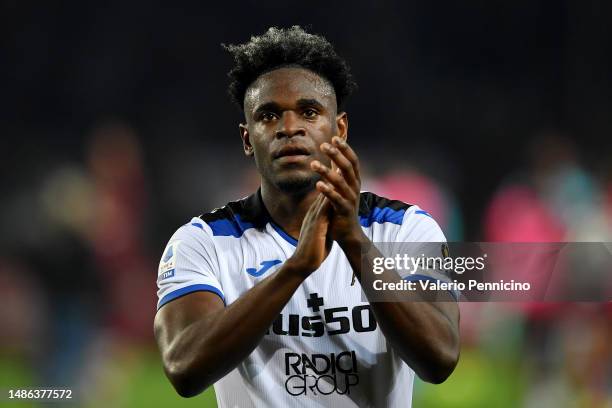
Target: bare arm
{"points": [[201, 340], [425, 334]]}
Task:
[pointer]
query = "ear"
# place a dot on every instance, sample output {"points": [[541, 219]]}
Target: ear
{"points": [[246, 141], [342, 124]]}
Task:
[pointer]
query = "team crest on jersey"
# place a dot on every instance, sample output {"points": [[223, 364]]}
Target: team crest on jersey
{"points": [[168, 260]]}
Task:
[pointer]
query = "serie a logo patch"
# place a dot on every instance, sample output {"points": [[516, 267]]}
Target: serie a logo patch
{"points": [[168, 261]]}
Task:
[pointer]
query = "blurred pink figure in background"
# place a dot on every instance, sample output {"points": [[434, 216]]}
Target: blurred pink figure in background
{"points": [[557, 200], [516, 214], [414, 187]]}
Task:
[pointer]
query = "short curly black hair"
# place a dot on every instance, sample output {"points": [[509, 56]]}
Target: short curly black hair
{"points": [[293, 46]]}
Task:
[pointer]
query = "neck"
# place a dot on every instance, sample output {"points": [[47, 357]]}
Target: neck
{"points": [[287, 210]]}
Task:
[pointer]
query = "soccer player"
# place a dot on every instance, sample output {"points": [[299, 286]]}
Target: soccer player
{"points": [[256, 297]]}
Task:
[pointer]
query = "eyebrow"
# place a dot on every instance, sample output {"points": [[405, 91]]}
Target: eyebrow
{"points": [[268, 106], [275, 107], [310, 102]]}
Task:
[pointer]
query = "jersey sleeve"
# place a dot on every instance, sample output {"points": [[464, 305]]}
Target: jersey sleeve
{"points": [[188, 264], [421, 236]]}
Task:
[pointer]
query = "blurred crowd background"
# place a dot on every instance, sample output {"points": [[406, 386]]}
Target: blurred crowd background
{"points": [[116, 129]]}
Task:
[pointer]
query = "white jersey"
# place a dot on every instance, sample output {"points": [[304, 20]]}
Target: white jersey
{"points": [[325, 348]]}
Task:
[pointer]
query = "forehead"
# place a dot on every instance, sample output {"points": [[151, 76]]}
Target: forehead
{"points": [[286, 86]]}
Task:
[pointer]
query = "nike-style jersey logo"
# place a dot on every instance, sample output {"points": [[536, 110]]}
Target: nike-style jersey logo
{"points": [[265, 265]]}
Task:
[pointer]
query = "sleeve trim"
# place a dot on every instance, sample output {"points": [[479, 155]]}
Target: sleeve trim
{"points": [[190, 289]]}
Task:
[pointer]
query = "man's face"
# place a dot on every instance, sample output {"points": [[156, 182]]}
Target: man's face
{"points": [[289, 112]]}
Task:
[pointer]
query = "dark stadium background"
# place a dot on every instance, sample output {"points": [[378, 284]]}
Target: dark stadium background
{"points": [[116, 128]]}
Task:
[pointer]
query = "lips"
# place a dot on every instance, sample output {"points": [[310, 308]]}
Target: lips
{"points": [[291, 150]]}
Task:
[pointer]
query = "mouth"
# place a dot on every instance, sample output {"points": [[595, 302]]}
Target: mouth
{"points": [[290, 153]]}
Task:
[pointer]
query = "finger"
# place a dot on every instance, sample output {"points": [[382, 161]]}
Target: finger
{"points": [[327, 206], [313, 215], [349, 153], [341, 161], [316, 203], [334, 178], [314, 208], [336, 200], [323, 207]]}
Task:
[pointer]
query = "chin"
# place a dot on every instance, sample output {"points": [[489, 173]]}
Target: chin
{"points": [[297, 184]]}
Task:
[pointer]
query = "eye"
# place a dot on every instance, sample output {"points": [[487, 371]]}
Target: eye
{"points": [[267, 116], [310, 113]]}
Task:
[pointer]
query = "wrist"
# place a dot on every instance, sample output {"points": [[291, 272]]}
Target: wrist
{"points": [[296, 268], [354, 240]]}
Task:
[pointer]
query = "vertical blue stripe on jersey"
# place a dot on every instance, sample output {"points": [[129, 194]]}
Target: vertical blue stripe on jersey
{"points": [[227, 227], [189, 289], [381, 215], [283, 234]]}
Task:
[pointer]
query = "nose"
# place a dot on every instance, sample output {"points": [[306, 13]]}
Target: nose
{"points": [[289, 125]]}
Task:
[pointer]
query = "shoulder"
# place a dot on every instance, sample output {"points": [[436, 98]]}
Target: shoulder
{"points": [[206, 228], [234, 218], [414, 222], [377, 209], [369, 201]]}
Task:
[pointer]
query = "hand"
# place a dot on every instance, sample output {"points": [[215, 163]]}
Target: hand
{"points": [[341, 185], [314, 242]]}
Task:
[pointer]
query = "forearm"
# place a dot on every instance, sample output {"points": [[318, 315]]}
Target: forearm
{"points": [[424, 333], [206, 350]]}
